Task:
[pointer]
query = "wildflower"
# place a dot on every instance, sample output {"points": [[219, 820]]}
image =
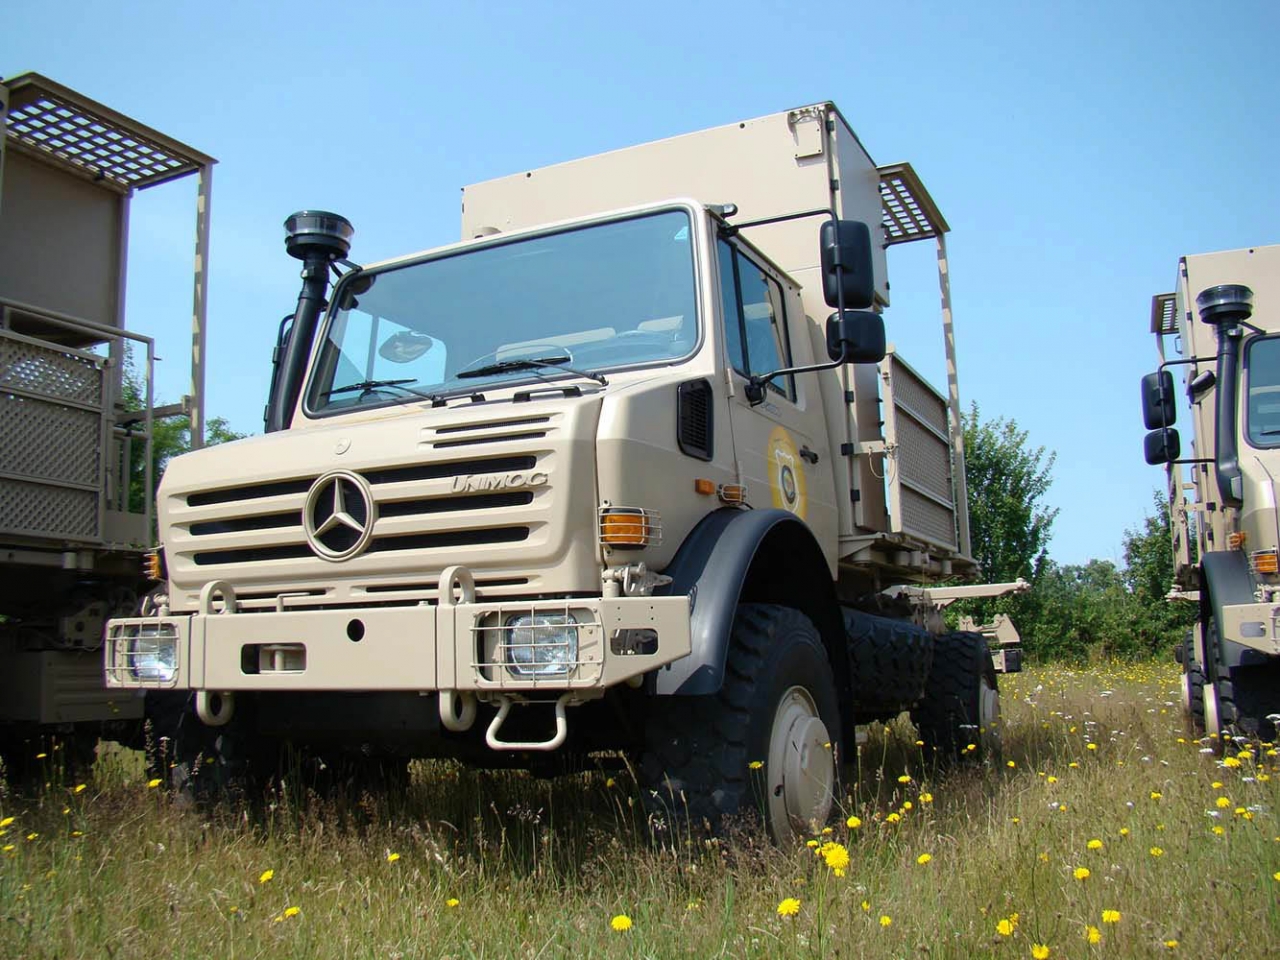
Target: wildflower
{"points": [[291, 912], [789, 907], [811, 843], [1217, 784], [1091, 746], [1222, 803], [609, 783], [1039, 951], [906, 805], [392, 857], [1156, 794], [756, 764], [233, 909], [1092, 934], [1051, 780], [1124, 831], [41, 756], [8, 848], [1219, 831], [905, 778], [853, 823], [827, 831], [266, 875], [1094, 844], [1004, 928], [152, 784], [77, 833], [1230, 762], [924, 858], [969, 748], [1276, 876], [866, 906], [1044, 857], [1171, 944], [6, 822], [885, 920], [1017, 819], [1010, 764], [1081, 873], [1157, 852], [1074, 766], [926, 798], [452, 902], [893, 818], [80, 788], [835, 855], [621, 923], [32, 836], [1110, 916]]}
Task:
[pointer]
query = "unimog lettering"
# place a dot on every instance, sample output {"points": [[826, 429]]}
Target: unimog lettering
{"points": [[510, 481]]}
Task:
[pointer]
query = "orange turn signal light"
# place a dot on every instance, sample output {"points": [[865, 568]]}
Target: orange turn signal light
{"points": [[733, 493], [1264, 561], [1235, 540], [623, 527], [153, 565], [704, 486]]}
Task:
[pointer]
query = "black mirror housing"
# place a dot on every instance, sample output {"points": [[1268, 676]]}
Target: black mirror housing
{"points": [[1158, 408], [857, 336], [847, 244], [1162, 446]]}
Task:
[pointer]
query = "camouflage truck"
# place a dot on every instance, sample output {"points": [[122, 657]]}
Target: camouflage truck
{"points": [[1224, 321], [75, 444], [630, 471]]}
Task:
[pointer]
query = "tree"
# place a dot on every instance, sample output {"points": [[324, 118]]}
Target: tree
{"points": [[1009, 526], [1157, 624]]}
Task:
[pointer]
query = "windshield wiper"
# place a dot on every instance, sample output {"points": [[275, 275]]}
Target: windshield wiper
{"points": [[367, 387], [530, 363]]}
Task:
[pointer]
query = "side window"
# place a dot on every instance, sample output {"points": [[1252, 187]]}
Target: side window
{"points": [[758, 341]]}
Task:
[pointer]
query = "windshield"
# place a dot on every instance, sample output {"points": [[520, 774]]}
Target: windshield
{"points": [[1262, 417], [560, 306]]}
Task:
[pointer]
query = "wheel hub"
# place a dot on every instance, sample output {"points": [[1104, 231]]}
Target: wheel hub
{"points": [[801, 765]]}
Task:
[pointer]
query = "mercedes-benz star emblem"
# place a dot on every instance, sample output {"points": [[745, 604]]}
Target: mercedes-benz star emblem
{"points": [[339, 515]]}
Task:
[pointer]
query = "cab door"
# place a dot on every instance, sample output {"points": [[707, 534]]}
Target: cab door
{"points": [[780, 444]]}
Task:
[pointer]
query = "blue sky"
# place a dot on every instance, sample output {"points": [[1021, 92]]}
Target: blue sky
{"points": [[1076, 149]]}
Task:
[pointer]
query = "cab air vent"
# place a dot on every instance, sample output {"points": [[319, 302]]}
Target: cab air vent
{"points": [[695, 421]]}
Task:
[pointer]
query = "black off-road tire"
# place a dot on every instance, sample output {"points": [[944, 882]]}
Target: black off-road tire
{"points": [[699, 751], [1194, 678], [889, 663], [950, 717]]}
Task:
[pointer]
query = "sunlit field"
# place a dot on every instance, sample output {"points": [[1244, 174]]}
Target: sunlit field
{"points": [[1106, 831]]}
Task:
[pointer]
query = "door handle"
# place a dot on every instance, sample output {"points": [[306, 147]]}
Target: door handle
{"points": [[807, 454]]}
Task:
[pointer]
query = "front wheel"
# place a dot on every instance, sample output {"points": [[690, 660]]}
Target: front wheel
{"points": [[767, 741]]}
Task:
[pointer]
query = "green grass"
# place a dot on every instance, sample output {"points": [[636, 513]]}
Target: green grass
{"points": [[539, 868]]}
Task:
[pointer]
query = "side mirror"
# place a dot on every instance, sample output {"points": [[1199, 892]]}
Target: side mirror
{"points": [[856, 335], [1158, 408], [847, 264], [1161, 446]]}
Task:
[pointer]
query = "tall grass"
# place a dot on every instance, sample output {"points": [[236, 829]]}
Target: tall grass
{"points": [[473, 864]]}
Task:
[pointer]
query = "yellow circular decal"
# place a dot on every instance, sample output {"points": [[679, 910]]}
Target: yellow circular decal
{"points": [[786, 476]]}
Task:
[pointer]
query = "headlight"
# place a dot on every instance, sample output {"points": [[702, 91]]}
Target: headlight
{"points": [[153, 658], [541, 644]]}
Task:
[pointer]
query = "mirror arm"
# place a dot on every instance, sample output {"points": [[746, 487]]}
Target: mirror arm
{"points": [[756, 383]]}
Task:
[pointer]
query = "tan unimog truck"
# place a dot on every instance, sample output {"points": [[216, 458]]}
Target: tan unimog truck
{"points": [[604, 476], [75, 447], [1224, 318]]}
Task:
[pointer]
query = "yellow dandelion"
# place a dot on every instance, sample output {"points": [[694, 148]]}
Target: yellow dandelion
{"points": [[926, 798], [621, 923], [906, 805], [971, 747], [1091, 746], [80, 788], [152, 784], [1276, 876], [886, 920], [1050, 779], [924, 858], [893, 818], [827, 831], [811, 844], [1110, 916], [1124, 831], [452, 902], [1157, 852], [1010, 764], [905, 778], [1094, 844], [32, 836], [1219, 831], [1092, 934], [1230, 762], [1217, 784], [392, 857], [837, 871], [292, 912], [1081, 873], [609, 783], [1004, 928], [1039, 951], [1074, 766], [789, 907], [1017, 820], [41, 756], [853, 823], [266, 876], [866, 905], [756, 764], [1222, 803], [1171, 944], [77, 833], [1156, 795], [8, 848]]}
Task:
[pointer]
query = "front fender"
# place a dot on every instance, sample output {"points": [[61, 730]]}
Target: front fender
{"points": [[768, 555]]}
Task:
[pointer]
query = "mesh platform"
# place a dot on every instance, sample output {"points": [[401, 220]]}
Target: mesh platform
{"points": [[909, 212], [74, 131], [1164, 313]]}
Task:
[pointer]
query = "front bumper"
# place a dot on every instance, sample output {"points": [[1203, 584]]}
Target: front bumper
{"points": [[1255, 625], [457, 645]]}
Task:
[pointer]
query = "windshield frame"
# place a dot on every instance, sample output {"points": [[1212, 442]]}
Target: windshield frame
{"points": [[545, 375], [1246, 421]]}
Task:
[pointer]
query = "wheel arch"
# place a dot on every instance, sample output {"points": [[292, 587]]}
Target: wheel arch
{"points": [[1225, 582], [760, 556]]}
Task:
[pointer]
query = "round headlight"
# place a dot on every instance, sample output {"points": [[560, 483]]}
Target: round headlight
{"points": [[541, 644]]}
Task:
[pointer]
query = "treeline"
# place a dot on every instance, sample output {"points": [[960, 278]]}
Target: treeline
{"points": [[1075, 612]]}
